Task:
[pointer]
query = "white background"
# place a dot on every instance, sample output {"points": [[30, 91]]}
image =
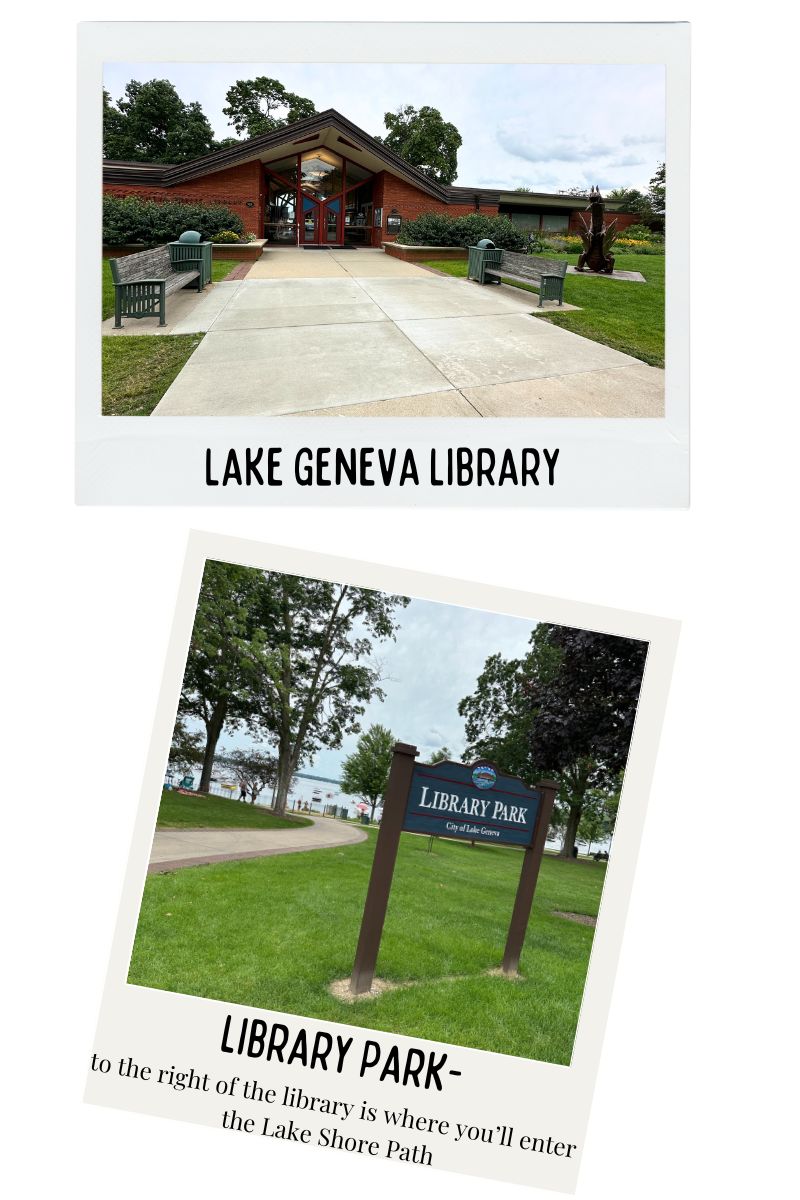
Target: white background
{"points": [[695, 1087]]}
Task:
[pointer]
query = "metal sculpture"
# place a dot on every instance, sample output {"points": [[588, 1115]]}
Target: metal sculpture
{"points": [[597, 238]]}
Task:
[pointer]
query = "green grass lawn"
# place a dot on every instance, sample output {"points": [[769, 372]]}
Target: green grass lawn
{"points": [[138, 370], [178, 811], [627, 316], [220, 267], [275, 932]]}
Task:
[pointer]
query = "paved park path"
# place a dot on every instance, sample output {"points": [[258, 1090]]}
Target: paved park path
{"points": [[174, 848], [358, 333]]}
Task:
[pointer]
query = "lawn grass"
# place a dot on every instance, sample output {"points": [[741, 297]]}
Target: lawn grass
{"points": [[220, 267], [138, 370], [180, 811], [627, 316], [275, 932]]}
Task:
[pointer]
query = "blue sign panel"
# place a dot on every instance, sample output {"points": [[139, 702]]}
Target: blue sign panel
{"points": [[474, 802]]}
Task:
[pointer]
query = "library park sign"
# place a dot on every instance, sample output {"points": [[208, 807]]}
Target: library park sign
{"points": [[471, 802]]}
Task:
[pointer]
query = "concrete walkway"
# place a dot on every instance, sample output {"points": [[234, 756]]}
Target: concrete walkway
{"points": [[175, 848], [359, 333]]}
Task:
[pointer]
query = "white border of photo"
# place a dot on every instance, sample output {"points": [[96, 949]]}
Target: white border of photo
{"points": [[162, 1028], [603, 462]]}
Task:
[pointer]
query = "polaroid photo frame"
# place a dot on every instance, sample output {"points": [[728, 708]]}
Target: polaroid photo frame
{"points": [[468, 1110], [631, 460]]}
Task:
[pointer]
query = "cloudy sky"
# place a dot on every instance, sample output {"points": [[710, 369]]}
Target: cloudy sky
{"points": [[547, 127], [433, 663]]}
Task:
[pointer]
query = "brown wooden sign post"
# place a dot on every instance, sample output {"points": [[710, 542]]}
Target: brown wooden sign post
{"points": [[472, 802], [531, 861], [380, 880]]}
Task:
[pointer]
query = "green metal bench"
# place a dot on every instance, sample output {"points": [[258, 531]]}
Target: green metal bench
{"points": [[489, 265], [143, 281], [546, 273]]}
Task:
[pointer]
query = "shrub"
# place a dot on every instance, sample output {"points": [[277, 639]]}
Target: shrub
{"points": [[567, 243], [439, 229], [225, 235], [129, 219], [640, 233]]}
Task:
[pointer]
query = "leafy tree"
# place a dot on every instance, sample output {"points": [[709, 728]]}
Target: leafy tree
{"points": [[425, 140], [216, 684], [438, 756], [311, 661], [657, 193], [254, 770], [186, 751], [631, 199], [365, 772], [599, 815], [151, 123], [522, 189], [226, 142], [497, 717], [260, 105], [565, 709], [584, 705], [113, 124]]}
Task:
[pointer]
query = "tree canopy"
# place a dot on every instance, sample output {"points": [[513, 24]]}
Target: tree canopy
{"points": [[312, 660], [365, 772], [565, 709], [290, 658], [260, 105], [151, 123], [424, 139], [650, 207], [216, 684], [585, 705], [253, 769]]}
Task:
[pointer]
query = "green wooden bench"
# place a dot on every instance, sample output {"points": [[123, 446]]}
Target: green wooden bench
{"points": [[143, 281], [546, 273]]}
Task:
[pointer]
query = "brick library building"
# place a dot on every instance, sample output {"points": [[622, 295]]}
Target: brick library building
{"points": [[323, 181]]}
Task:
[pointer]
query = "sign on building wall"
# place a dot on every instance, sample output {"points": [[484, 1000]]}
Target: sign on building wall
{"points": [[454, 800]]}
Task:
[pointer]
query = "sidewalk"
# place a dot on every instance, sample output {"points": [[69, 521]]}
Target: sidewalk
{"points": [[175, 848]]}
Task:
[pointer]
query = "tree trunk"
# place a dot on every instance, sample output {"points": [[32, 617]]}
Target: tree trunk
{"points": [[285, 773], [213, 731], [571, 831]]}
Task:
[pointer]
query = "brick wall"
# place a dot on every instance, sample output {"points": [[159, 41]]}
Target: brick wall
{"points": [[623, 220], [389, 192], [233, 188]]}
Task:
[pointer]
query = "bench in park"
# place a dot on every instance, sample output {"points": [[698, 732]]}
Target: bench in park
{"points": [[489, 265], [143, 281]]}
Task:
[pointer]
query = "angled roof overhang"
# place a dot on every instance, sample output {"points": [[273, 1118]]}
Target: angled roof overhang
{"points": [[332, 130], [327, 128]]}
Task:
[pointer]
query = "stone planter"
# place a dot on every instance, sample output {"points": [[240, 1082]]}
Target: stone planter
{"points": [[421, 253], [239, 252], [225, 252]]}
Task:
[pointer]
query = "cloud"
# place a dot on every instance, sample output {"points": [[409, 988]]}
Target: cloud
{"points": [[628, 160], [568, 147], [642, 139]]}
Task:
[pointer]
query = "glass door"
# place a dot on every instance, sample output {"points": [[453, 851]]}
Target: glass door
{"points": [[310, 221], [332, 219]]}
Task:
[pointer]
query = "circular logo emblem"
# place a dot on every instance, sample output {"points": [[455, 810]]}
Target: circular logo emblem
{"points": [[484, 777]]}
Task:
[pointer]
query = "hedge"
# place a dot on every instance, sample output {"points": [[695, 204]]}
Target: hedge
{"points": [[129, 219], [438, 229]]}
